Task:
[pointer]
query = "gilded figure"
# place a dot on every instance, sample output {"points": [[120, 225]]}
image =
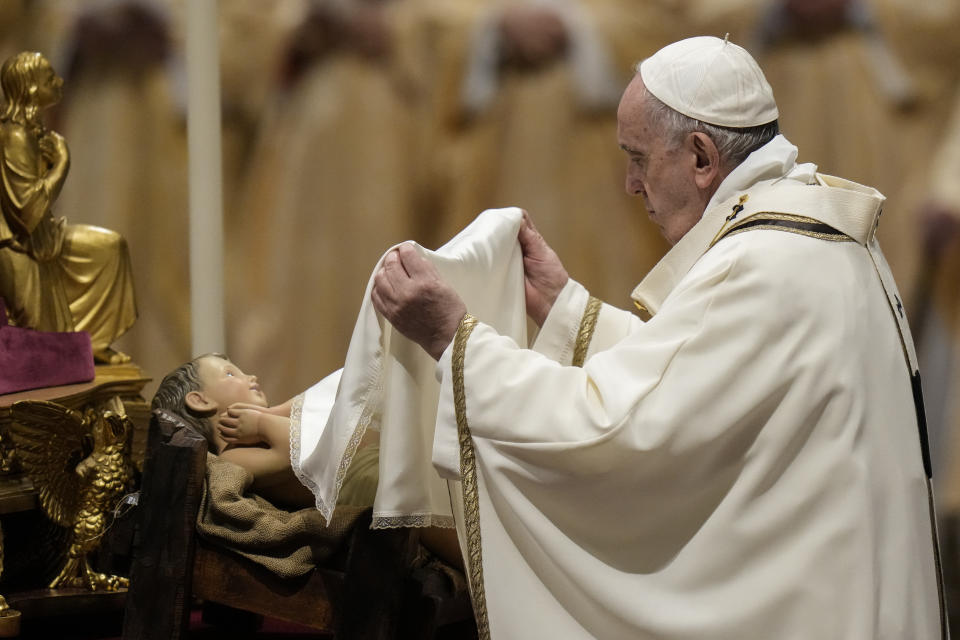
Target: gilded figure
{"points": [[79, 463], [54, 276]]}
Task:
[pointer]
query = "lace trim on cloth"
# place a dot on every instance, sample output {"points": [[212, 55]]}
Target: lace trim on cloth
{"points": [[420, 520], [468, 476], [296, 417], [366, 417], [587, 326]]}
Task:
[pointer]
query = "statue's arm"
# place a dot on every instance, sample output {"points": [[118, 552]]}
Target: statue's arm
{"points": [[31, 190]]}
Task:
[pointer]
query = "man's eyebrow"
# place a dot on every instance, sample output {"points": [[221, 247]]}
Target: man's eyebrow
{"points": [[632, 151]]}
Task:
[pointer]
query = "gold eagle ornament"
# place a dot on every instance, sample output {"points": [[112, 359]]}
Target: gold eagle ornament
{"points": [[79, 465]]}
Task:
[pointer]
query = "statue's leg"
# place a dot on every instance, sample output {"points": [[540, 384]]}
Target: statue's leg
{"points": [[33, 293], [98, 280]]}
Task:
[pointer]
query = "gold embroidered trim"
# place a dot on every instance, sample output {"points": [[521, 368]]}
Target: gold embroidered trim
{"points": [[831, 237], [751, 223], [468, 477], [587, 325], [420, 520]]}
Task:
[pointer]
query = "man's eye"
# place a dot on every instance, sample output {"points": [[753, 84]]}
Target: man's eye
{"points": [[230, 373]]}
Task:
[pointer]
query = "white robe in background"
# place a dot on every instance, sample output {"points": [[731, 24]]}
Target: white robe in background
{"points": [[746, 464]]}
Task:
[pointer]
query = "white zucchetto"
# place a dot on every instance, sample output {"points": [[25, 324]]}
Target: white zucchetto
{"points": [[712, 80]]}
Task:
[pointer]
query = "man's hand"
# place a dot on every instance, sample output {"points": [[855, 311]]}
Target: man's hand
{"points": [[240, 424], [410, 294], [543, 274]]}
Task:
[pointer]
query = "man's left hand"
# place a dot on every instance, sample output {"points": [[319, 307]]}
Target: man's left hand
{"points": [[410, 294]]}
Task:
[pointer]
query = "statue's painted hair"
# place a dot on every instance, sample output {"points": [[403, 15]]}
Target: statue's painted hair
{"points": [[18, 77], [171, 396]]}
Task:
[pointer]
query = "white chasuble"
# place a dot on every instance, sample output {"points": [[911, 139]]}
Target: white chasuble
{"points": [[746, 464]]}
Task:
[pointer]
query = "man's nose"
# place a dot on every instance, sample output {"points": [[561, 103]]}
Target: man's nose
{"points": [[634, 186]]}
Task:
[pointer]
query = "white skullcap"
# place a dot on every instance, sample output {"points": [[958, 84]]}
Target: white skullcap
{"points": [[711, 80]]}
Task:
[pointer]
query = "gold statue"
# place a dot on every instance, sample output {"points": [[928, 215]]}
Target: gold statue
{"points": [[50, 441], [53, 276]]}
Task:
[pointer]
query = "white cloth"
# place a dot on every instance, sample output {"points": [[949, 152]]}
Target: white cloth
{"points": [[389, 383], [744, 465]]}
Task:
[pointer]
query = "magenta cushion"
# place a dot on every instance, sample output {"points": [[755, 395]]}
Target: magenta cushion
{"points": [[33, 359]]}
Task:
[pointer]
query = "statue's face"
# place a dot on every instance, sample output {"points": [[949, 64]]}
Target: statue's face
{"points": [[225, 383], [49, 85]]}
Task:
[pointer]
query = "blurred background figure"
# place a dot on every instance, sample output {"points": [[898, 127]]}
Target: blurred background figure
{"points": [[868, 85], [332, 182], [126, 131], [124, 119], [526, 97], [938, 321]]}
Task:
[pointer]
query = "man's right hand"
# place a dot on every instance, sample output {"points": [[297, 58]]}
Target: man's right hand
{"points": [[543, 273]]}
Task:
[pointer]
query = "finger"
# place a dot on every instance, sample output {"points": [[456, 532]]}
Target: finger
{"points": [[384, 280], [392, 263], [414, 264], [527, 231], [378, 302], [528, 221]]}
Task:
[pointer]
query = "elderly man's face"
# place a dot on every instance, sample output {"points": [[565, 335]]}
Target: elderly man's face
{"points": [[658, 169]]}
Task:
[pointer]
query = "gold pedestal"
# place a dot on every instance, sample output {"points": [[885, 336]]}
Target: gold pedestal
{"points": [[9, 623], [114, 386]]}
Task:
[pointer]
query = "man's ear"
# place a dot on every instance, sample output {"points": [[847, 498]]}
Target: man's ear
{"points": [[198, 401], [707, 165]]}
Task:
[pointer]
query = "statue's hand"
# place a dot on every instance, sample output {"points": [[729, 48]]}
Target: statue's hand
{"points": [[53, 147], [409, 292], [240, 424]]}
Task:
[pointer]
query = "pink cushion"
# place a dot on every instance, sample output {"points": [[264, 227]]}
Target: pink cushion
{"points": [[33, 359]]}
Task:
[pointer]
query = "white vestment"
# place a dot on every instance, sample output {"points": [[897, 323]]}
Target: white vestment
{"points": [[745, 464]]}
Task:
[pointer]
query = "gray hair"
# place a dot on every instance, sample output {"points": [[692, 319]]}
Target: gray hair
{"points": [[171, 396], [733, 144]]}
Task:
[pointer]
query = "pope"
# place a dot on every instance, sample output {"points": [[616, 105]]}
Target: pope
{"points": [[750, 459]]}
